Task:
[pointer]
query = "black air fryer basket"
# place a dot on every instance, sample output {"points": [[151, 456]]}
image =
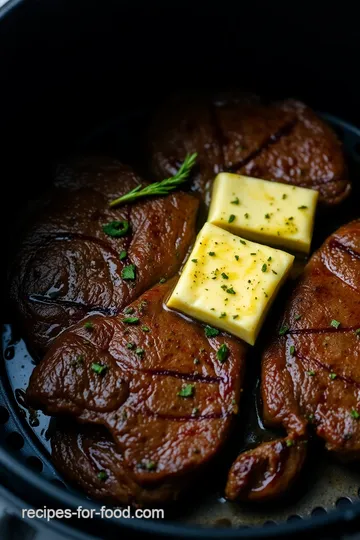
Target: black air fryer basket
{"points": [[83, 77]]}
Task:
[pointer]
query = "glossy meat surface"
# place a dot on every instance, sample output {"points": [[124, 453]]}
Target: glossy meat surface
{"points": [[282, 141], [88, 458], [164, 395], [67, 266], [310, 370]]}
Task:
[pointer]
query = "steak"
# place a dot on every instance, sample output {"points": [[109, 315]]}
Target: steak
{"points": [[68, 266], [154, 380], [310, 370], [282, 141], [88, 458]]}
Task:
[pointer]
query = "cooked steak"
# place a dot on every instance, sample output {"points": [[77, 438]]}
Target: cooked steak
{"points": [[153, 379], [310, 369], [282, 141], [69, 264], [88, 458]]}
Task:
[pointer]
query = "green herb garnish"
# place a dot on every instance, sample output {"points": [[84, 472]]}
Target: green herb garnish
{"points": [[335, 323], [212, 253], [139, 351], [99, 368], [102, 476], [332, 376], [128, 272], [122, 254], [231, 218], [130, 346], [297, 317], [311, 373], [230, 291], [292, 350], [243, 242], [283, 330], [159, 188], [235, 201], [89, 325], [116, 229], [211, 332], [355, 414], [289, 442], [187, 390], [303, 207], [130, 320], [264, 267], [145, 329], [222, 353], [225, 276]]}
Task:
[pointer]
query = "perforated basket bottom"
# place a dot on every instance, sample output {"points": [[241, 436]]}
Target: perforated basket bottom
{"points": [[325, 483]]}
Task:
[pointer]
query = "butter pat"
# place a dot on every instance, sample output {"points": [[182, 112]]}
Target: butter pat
{"points": [[229, 282], [267, 212]]}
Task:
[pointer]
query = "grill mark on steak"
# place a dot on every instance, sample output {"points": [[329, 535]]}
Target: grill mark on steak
{"points": [[334, 243], [328, 369], [42, 299], [186, 376], [274, 138], [330, 330]]}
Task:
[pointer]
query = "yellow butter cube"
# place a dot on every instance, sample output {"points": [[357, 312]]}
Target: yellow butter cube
{"points": [[267, 212], [229, 282]]}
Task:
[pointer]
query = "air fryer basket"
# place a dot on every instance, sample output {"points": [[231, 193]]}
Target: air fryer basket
{"points": [[82, 98]]}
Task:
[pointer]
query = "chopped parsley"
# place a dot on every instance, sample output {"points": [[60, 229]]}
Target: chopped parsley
{"points": [[187, 391], [194, 260], [230, 291], [292, 350], [129, 310], [332, 376], [145, 329], [284, 196], [139, 351], [335, 323], [289, 442], [267, 216], [354, 414], [237, 257], [129, 272], [235, 201], [196, 361], [195, 410], [269, 259], [211, 332], [357, 332], [231, 218], [222, 353], [283, 330], [130, 345], [243, 242], [297, 317], [212, 253], [116, 229], [223, 315], [235, 316], [162, 280], [264, 267], [99, 368], [102, 476], [131, 320], [88, 326], [311, 373], [225, 276], [150, 466], [122, 255], [246, 216], [303, 207]]}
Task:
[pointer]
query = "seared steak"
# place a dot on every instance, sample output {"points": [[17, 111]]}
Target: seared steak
{"points": [[310, 369], [88, 458], [153, 379], [68, 265], [281, 141]]}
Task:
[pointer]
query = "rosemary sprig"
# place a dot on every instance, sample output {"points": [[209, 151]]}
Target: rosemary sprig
{"points": [[159, 188]]}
